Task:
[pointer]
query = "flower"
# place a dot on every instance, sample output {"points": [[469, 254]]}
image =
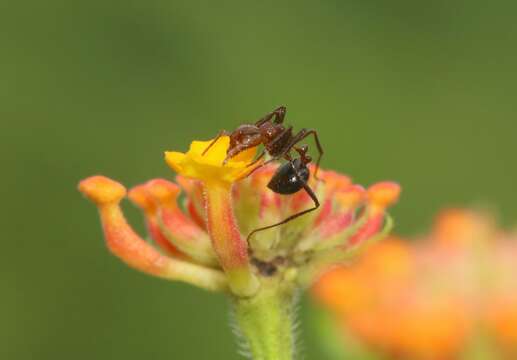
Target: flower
{"points": [[199, 229], [217, 179], [432, 298], [132, 249], [223, 204]]}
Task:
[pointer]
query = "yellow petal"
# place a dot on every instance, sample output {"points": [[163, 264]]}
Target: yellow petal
{"points": [[209, 167], [174, 159]]}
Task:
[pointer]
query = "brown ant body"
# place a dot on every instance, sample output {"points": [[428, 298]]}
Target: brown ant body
{"points": [[278, 142]]}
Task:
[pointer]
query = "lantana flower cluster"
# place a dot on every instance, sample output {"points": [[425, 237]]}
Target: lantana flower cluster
{"points": [[199, 223], [449, 295]]}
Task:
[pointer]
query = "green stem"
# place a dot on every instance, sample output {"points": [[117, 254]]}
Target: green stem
{"points": [[266, 321]]}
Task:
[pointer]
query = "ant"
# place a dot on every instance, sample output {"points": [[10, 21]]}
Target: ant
{"points": [[278, 142], [269, 131]]}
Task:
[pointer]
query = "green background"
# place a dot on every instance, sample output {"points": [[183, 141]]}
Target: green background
{"points": [[421, 92]]}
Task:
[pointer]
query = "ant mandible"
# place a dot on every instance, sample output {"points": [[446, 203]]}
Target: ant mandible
{"points": [[278, 142]]}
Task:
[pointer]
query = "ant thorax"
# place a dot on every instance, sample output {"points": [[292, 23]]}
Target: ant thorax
{"points": [[276, 138], [270, 130]]}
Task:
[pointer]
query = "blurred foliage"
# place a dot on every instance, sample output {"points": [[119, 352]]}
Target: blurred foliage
{"points": [[419, 92], [333, 342]]}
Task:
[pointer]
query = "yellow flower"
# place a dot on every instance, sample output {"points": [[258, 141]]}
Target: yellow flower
{"points": [[217, 178], [209, 167]]}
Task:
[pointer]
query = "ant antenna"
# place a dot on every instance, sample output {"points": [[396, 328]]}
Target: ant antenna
{"points": [[311, 193], [219, 135]]}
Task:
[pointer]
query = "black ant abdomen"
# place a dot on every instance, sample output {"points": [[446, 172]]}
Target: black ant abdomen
{"points": [[289, 178]]}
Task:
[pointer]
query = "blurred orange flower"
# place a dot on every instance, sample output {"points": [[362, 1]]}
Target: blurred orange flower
{"points": [[433, 298]]}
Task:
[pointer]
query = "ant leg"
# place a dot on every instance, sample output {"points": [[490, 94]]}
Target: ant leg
{"points": [[302, 134], [278, 114], [311, 193], [264, 164], [221, 133]]}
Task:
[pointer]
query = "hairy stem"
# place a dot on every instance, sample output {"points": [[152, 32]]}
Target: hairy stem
{"points": [[266, 321]]}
